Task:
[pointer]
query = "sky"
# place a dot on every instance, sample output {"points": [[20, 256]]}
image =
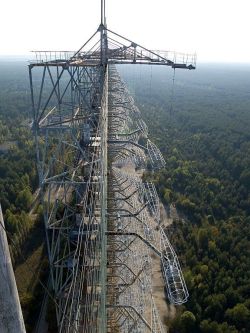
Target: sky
{"points": [[217, 30]]}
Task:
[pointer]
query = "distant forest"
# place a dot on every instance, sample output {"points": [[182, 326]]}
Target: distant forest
{"points": [[201, 124], [18, 178], [18, 182]]}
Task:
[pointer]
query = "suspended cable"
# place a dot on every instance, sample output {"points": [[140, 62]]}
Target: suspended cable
{"points": [[150, 83], [172, 95]]}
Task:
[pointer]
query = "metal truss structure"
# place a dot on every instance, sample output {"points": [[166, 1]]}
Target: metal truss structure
{"points": [[102, 222]]}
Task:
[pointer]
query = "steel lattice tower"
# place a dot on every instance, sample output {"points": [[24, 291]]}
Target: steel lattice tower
{"points": [[101, 220]]}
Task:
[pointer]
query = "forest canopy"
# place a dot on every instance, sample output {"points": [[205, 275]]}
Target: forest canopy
{"points": [[201, 124]]}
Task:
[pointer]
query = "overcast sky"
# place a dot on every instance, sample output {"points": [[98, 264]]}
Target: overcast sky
{"points": [[218, 30]]}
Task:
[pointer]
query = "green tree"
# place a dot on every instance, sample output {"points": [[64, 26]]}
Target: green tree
{"points": [[239, 315], [11, 221], [187, 321], [203, 239], [24, 199]]}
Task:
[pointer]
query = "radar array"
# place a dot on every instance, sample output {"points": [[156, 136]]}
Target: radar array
{"points": [[102, 222]]}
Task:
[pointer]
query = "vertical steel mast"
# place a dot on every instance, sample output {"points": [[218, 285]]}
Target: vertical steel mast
{"points": [[11, 317], [102, 222]]}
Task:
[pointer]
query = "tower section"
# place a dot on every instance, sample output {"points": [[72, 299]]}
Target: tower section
{"points": [[102, 221]]}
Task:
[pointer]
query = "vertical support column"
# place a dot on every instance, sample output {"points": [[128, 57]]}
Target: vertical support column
{"points": [[104, 119], [11, 318], [103, 35]]}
